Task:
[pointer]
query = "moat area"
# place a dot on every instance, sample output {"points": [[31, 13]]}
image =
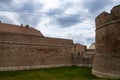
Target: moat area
{"points": [[61, 73]]}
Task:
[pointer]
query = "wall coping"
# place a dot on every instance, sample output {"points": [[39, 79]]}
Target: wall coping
{"points": [[108, 23], [39, 44]]}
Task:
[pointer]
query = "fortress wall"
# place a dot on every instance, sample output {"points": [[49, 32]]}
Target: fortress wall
{"points": [[103, 18], [19, 52], [33, 39], [19, 29], [116, 12], [81, 57], [107, 57], [80, 48]]}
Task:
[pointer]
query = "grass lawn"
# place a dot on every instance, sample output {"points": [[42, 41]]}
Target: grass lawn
{"points": [[63, 73]]}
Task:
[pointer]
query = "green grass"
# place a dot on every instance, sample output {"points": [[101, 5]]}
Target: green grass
{"points": [[63, 73]]}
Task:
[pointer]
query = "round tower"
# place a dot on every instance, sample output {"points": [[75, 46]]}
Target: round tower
{"points": [[107, 57]]}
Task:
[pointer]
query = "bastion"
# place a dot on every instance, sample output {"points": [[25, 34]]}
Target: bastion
{"points": [[23, 47], [106, 62]]}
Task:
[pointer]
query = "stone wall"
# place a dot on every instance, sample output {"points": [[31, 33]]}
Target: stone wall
{"points": [[107, 57], [19, 51], [82, 56]]}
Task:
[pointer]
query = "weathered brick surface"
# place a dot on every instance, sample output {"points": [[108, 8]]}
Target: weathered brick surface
{"points": [[24, 50], [24, 55], [19, 29], [80, 48], [82, 56], [33, 39], [107, 57]]}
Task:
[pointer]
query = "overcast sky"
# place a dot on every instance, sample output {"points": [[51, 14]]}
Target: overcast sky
{"points": [[69, 19]]}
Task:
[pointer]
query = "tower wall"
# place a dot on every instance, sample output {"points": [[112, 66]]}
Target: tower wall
{"points": [[107, 56]]}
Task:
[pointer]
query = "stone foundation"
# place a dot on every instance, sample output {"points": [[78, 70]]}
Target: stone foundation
{"points": [[105, 75], [32, 67]]}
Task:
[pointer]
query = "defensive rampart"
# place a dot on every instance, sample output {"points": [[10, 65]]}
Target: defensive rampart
{"points": [[82, 56], [23, 47], [19, 29], [19, 52], [107, 57]]}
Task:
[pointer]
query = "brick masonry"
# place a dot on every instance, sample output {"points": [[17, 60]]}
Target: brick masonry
{"points": [[23, 47], [19, 51], [23, 50], [107, 56], [19, 29]]}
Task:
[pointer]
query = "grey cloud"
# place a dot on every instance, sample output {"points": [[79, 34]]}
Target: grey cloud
{"points": [[52, 13], [67, 5], [56, 11], [24, 18], [67, 21], [29, 7], [63, 20], [26, 6], [90, 40], [61, 10], [29, 19], [5, 1], [84, 40], [5, 4], [95, 5]]}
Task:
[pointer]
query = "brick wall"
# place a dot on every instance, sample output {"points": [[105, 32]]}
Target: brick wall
{"points": [[82, 57], [26, 52], [107, 57], [19, 29]]}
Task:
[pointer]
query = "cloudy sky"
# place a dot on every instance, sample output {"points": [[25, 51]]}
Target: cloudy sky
{"points": [[69, 19]]}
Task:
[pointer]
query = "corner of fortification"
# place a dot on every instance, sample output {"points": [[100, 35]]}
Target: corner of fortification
{"points": [[101, 18], [105, 17], [106, 63], [116, 12]]}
